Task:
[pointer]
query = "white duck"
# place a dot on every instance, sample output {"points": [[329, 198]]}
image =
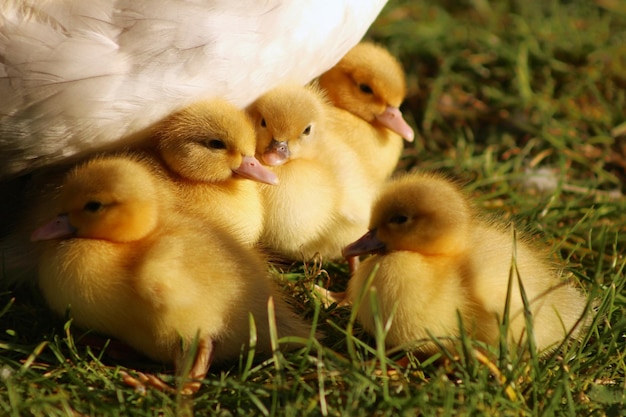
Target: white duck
{"points": [[78, 77]]}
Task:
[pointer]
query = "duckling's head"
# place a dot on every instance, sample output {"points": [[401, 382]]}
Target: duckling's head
{"points": [[210, 141], [115, 199], [370, 83], [423, 213], [286, 120]]}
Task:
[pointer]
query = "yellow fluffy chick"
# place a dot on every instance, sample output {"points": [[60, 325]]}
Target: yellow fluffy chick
{"points": [[369, 84], [318, 206], [209, 149], [125, 263], [436, 257]]}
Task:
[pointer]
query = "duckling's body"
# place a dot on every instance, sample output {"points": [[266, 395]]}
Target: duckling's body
{"points": [[235, 204], [297, 212], [321, 202], [209, 148], [378, 148], [367, 87], [437, 257], [128, 264], [556, 305]]}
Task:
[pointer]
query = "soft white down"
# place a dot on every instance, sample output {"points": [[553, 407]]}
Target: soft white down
{"points": [[81, 76]]}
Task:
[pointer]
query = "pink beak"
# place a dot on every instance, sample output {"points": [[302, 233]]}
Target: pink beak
{"points": [[252, 169], [56, 228], [277, 153], [392, 119]]}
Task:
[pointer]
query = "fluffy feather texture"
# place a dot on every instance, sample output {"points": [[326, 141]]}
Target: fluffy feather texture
{"points": [[78, 77], [209, 149], [129, 265], [322, 200], [368, 84], [438, 257]]}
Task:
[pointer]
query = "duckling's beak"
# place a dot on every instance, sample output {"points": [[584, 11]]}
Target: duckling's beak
{"points": [[392, 119], [56, 228], [368, 243], [252, 169], [277, 153]]}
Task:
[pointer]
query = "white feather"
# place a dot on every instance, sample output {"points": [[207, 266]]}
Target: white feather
{"points": [[80, 76]]}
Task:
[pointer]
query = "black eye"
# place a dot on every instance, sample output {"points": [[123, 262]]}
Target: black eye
{"points": [[93, 206], [215, 144], [398, 219], [263, 124], [366, 89], [307, 130]]}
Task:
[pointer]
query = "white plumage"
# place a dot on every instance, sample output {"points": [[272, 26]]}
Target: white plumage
{"points": [[81, 76]]}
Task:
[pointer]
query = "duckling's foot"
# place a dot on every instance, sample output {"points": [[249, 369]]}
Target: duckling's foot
{"points": [[353, 264], [191, 385], [484, 359], [143, 381], [329, 298], [403, 362], [199, 367]]}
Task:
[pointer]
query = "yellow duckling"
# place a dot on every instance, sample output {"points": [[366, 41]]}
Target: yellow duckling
{"points": [[369, 83], [209, 149], [437, 257], [128, 264], [322, 201]]}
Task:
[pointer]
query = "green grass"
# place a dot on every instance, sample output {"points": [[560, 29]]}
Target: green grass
{"points": [[497, 90]]}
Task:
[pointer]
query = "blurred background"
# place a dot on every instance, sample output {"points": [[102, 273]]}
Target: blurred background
{"points": [[545, 79]]}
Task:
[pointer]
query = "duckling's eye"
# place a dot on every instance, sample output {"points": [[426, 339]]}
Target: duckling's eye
{"points": [[263, 124], [398, 219], [307, 130], [366, 89], [92, 206], [215, 144]]}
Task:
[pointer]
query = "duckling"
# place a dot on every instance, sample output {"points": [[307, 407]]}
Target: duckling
{"points": [[436, 256], [209, 149], [79, 78], [316, 207], [369, 84], [128, 264]]}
